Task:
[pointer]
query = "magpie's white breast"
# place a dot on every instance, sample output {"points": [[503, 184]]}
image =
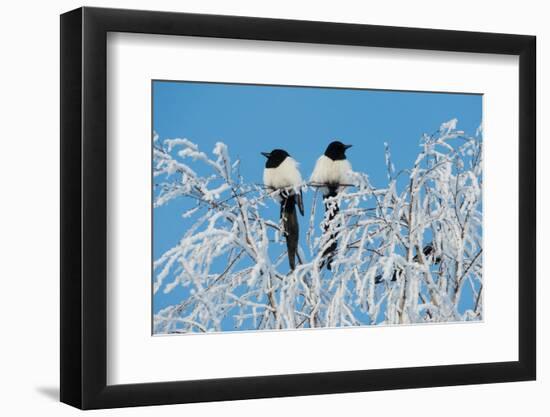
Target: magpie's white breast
{"points": [[284, 175], [328, 171]]}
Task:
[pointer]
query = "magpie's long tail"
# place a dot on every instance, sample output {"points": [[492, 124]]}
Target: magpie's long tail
{"points": [[333, 209], [291, 229]]}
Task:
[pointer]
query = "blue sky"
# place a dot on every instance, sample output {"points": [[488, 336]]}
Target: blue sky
{"points": [[251, 119]]}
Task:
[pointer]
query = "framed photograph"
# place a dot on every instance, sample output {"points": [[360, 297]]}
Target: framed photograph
{"points": [[257, 208]]}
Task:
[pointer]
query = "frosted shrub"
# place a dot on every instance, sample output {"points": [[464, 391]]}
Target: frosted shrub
{"points": [[231, 263]]}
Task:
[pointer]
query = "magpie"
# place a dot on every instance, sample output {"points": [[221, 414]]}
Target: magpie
{"points": [[429, 254], [332, 171], [281, 174]]}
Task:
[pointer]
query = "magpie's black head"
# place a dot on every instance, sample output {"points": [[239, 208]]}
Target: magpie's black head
{"points": [[275, 157], [336, 151]]}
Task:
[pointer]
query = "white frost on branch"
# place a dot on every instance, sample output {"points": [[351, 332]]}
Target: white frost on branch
{"points": [[231, 263]]}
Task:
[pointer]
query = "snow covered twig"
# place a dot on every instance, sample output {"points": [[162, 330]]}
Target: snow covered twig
{"points": [[230, 268]]}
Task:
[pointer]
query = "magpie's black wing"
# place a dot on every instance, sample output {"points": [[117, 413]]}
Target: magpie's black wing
{"points": [[300, 202], [428, 249]]}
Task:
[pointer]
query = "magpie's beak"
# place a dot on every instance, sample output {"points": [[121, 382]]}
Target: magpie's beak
{"points": [[266, 154], [347, 146]]}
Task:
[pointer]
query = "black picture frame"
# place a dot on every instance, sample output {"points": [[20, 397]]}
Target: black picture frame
{"points": [[84, 207]]}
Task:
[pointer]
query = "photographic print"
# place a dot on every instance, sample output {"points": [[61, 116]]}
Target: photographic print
{"points": [[300, 207]]}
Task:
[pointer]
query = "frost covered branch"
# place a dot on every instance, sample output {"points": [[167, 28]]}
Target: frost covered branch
{"points": [[230, 264]]}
